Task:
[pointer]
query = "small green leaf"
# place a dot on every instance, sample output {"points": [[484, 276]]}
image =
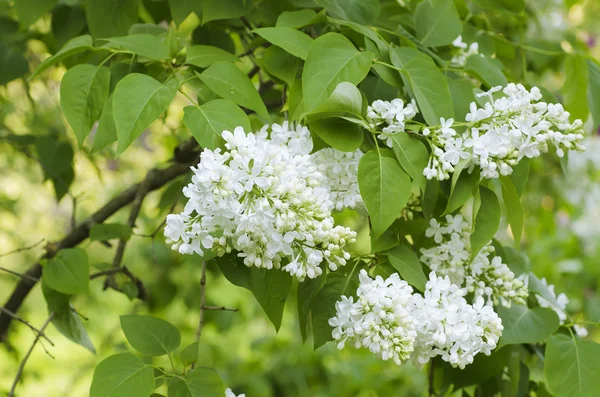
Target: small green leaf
{"points": [[189, 354], [486, 70], [83, 92], [213, 10], [345, 100], [71, 47], [338, 133], [571, 366], [12, 64], [384, 187], [291, 40], [143, 44], [437, 22], [208, 121], [524, 325], [29, 11], [181, 9], [332, 59], [109, 231], [281, 64], [200, 382], [56, 159], [205, 55], [412, 155], [229, 82], [364, 11], [462, 95], [575, 87], [388, 240], [487, 221], [514, 210], [296, 19], [138, 100], [407, 263], [150, 335], [594, 91], [463, 184], [68, 272], [112, 18], [122, 375]]}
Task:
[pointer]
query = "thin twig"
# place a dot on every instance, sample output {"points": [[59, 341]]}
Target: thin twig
{"points": [[21, 320], [11, 393], [21, 249], [431, 378], [228, 309], [202, 304], [21, 275]]}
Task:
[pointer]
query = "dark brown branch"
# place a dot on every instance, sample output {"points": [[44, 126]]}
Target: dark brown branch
{"points": [[24, 361], [185, 155]]}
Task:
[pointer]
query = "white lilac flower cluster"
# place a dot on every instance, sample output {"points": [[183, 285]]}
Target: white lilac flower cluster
{"points": [[341, 176], [230, 393], [486, 276], [264, 198], [500, 133], [390, 117], [395, 323], [558, 303], [464, 51]]}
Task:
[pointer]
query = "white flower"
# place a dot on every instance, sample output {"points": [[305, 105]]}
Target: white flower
{"points": [[581, 331], [464, 51], [389, 118], [557, 303], [340, 170], [230, 393]]}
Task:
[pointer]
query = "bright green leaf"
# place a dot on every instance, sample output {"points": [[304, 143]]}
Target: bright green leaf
{"points": [[68, 272], [205, 55], [437, 22], [271, 289], [122, 375], [189, 354], [407, 263], [462, 95], [296, 19], [486, 70], [412, 155], [213, 10], [307, 291], [143, 44], [29, 11], [281, 64], [463, 184], [594, 91], [346, 99], [514, 210], [384, 187], [71, 47], [106, 132], [338, 133], [361, 11], [150, 335], [200, 382], [487, 220], [138, 100], [575, 87], [524, 325], [109, 231], [181, 9], [111, 18], [291, 40]]}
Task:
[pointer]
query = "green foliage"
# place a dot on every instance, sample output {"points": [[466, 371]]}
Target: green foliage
{"points": [[206, 122], [412, 155], [524, 325], [575, 87], [108, 231], [406, 262], [122, 375], [291, 40], [68, 272], [205, 55], [437, 22], [150, 335], [487, 220]]}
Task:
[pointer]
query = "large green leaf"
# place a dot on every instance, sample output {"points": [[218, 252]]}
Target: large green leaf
{"points": [[143, 44], [437, 22], [571, 367], [150, 335], [594, 91], [208, 121], [296, 19], [229, 82], [487, 220], [575, 87], [524, 325], [271, 288], [281, 64], [307, 291], [332, 59], [486, 70], [222, 9], [68, 272], [200, 382], [514, 210], [428, 84], [138, 100], [71, 47], [293, 41], [384, 187], [462, 95], [83, 92], [483, 368], [12, 64], [181, 9], [111, 18], [205, 55], [407, 263], [345, 100], [361, 11], [56, 158], [122, 375], [29, 11], [412, 155], [106, 131]]}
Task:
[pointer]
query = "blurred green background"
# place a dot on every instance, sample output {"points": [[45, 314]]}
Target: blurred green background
{"points": [[561, 240]]}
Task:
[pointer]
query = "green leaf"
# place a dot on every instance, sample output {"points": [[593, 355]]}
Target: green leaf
{"points": [[68, 272], [486, 70], [143, 44], [189, 354], [271, 288], [571, 366], [181, 9], [200, 382], [332, 59], [29, 11], [281, 64], [514, 6], [437, 22], [122, 375], [360, 11], [138, 100], [106, 132], [594, 91], [208, 121], [346, 100], [575, 86], [205, 55], [483, 368], [412, 155], [111, 18], [524, 325], [462, 96], [229, 82], [307, 291], [109, 231], [514, 210], [462, 187], [407, 263], [338, 133], [384, 187], [12, 64], [213, 10], [323, 307], [296, 19], [388, 240], [487, 221], [65, 320], [291, 40], [56, 158], [520, 175], [83, 92], [428, 84], [150, 335], [71, 47]]}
